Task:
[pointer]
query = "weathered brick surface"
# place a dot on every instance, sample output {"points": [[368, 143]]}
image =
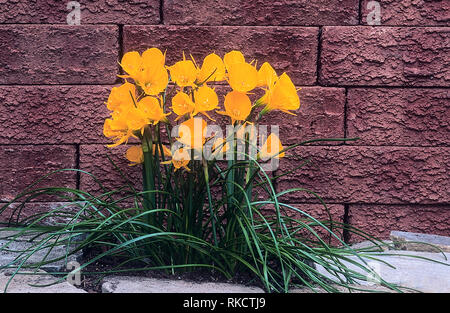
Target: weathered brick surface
{"points": [[370, 174], [318, 212], [411, 12], [38, 54], [407, 117], [92, 12], [289, 49], [21, 165], [379, 220], [321, 115], [93, 159], [52, 114], [261, 12], [385, 56]]}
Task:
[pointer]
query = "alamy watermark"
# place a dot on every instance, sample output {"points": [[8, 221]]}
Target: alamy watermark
{"points": [[74, 277], [374, 13], [74, 16]]}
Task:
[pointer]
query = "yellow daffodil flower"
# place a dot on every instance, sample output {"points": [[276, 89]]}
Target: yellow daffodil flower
{"points": [[213, 69], [233, 57], [267, 76], [153, 57], [192, 133], [150, 109], [271, 148], [180, 159], [237, 106], [183, 73], [153, 80], [116, 129], [135, 155], [131, 64], [182, 104], [136, 120], [283, 96], [166, 151], [148, 70], [242, 77], [121, 98], [205, 99]]}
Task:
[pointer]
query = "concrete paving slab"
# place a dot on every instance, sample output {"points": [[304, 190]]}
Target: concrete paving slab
{"points": [[411, 270], [134, 284], [21, 283], [420, 242]]}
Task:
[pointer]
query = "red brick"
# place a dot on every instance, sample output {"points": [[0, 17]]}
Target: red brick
{"points": [[94, 160], [369, 174], [48, 54], [379, 220], [391, 56], [290, 49], [318, 212], [321, 115], [22, 165], [92, 12], [411, 12], [407, 117], [261, 12], [52, 114]]}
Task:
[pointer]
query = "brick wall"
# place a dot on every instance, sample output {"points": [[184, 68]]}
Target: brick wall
{"points": [[384, 80]]}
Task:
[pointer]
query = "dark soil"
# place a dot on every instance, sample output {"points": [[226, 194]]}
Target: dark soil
{"points": [[92, 281]]}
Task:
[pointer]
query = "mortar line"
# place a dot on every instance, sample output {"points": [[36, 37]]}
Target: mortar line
{"points": [[322, 145], [161, 12], [360, 12], [120, 53], [345, 115], [77, 166], [319, 55], [346, 221]]}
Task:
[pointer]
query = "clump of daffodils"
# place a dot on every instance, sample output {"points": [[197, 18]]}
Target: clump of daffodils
{"points": [[152, 91]]}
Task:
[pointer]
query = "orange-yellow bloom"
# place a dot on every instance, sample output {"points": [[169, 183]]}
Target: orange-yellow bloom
{"points": [[153, 80], [135, 155], [180, 159], [136, 120], [166, 151], [271, 148], [237, 106], [153, 57], [147, 70], [132, 63], [267, 76], [233, 57], [242, 77], [283, 96], [192, 133], [183, 73], [121, 98], [182, 104], [116, 128], [213, 69], [205, 99], [150, 109]]}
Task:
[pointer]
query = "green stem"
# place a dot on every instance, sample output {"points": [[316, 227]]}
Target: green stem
{"points": [[148, 175], [213, 217]]}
